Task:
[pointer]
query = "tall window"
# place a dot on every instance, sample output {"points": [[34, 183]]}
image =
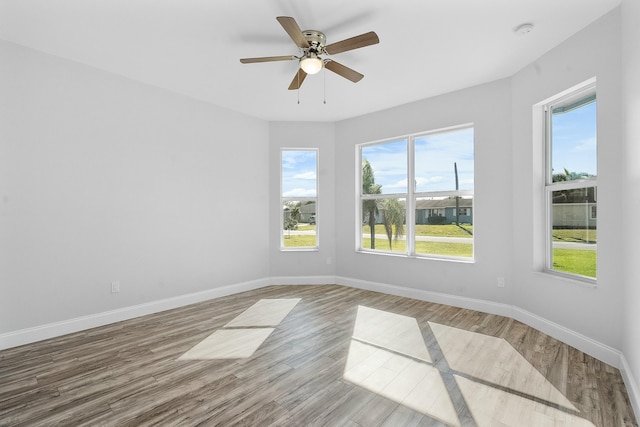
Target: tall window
{"points": [[571, 184], [416, 195], [299, 198]]}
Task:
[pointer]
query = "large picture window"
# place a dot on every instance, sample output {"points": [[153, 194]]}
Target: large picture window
{"points": [[416, 195], [571, 184], [299, 199]]}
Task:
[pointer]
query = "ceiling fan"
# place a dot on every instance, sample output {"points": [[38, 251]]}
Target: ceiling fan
{"points": [[312, 44]]}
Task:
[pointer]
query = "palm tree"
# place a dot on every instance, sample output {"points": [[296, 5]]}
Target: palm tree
{"points": [[570, 176], [576, 195], [295, 211], [393, 216], [370, 207]]}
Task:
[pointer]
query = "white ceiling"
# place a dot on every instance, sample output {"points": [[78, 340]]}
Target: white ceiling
{"points": [[427, 47]]}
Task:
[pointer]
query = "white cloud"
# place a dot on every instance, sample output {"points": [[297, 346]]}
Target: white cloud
{"points": [[300, 192], [398, 184], [420, 180], [305, 175]]}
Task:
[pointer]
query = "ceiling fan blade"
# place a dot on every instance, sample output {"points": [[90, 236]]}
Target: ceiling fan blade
{"points": [[267, 59], [297, 79], [291, 27], [344, 71], [366, 39]]}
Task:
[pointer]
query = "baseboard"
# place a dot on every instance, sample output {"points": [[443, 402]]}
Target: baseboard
{"points": [[632, 385], [581, 342], [422, 295], [302, 280], [51, 330]]}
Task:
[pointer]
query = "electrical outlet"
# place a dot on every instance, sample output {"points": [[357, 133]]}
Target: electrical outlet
{"points": [[115, 287], [328, 260], [501, 282]]}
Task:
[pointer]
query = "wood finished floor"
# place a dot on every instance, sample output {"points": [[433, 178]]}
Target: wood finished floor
{"points": [[483, 370]]}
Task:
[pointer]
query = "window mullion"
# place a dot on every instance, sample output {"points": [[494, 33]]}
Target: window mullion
{"points": [[410, 200]]}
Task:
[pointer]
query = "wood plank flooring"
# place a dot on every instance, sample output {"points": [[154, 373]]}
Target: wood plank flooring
{"points": [[340, 357]]}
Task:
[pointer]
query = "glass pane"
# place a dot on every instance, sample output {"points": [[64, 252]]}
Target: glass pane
{"points": [[574, 231], [299, 173], [299, 224], [574, 142], [384, 168], [444, 226], [444, 161], [383, 225]]}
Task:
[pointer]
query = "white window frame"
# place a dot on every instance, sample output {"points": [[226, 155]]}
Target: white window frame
{"points": [[315, 199], [410, 196], [574, 94]]}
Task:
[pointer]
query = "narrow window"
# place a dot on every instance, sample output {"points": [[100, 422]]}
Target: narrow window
{"points": [[299, 199], [571, 184], [444, 176], [416, 195], [383, 197]]}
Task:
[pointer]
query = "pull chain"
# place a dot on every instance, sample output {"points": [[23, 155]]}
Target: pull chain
{"points": [[298, 77], [324, 85]]}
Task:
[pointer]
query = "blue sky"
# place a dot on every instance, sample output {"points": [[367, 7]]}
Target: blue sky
{"points": [[435, 157], [574, 148], [574, 141], [299, 173]]}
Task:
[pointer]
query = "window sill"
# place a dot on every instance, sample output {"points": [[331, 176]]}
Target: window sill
{"points": [[583, 281], [424, 257], [314, 249]]}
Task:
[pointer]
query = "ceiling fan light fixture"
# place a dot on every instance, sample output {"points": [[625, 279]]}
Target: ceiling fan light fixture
{"points": [[311, 64]]}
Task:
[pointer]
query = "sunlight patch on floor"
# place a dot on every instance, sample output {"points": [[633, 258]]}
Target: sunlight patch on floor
{"points": [[388, 356], [495, 361], [233, 342], [491, 406], [266, 312], [402, 379], [391, 331], [228, 344]]}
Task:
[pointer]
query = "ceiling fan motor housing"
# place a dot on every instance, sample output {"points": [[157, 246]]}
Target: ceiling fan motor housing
{"points": [[316, 39]]}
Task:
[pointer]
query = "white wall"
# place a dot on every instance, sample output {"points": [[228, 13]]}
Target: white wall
{"points": [[593, 312], [488, 108], [630, 12], [103, 179], [300, 266]]}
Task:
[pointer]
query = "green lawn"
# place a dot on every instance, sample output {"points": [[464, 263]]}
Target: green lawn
{"points": [[299, 241], [578, 235], [306, 227], [575, 261], [582, 262], [449, 230], [423, 248]]}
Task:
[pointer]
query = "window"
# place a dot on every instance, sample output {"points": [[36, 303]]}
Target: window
{"points": [[299, 199], [416, 195], [571, 184]]}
